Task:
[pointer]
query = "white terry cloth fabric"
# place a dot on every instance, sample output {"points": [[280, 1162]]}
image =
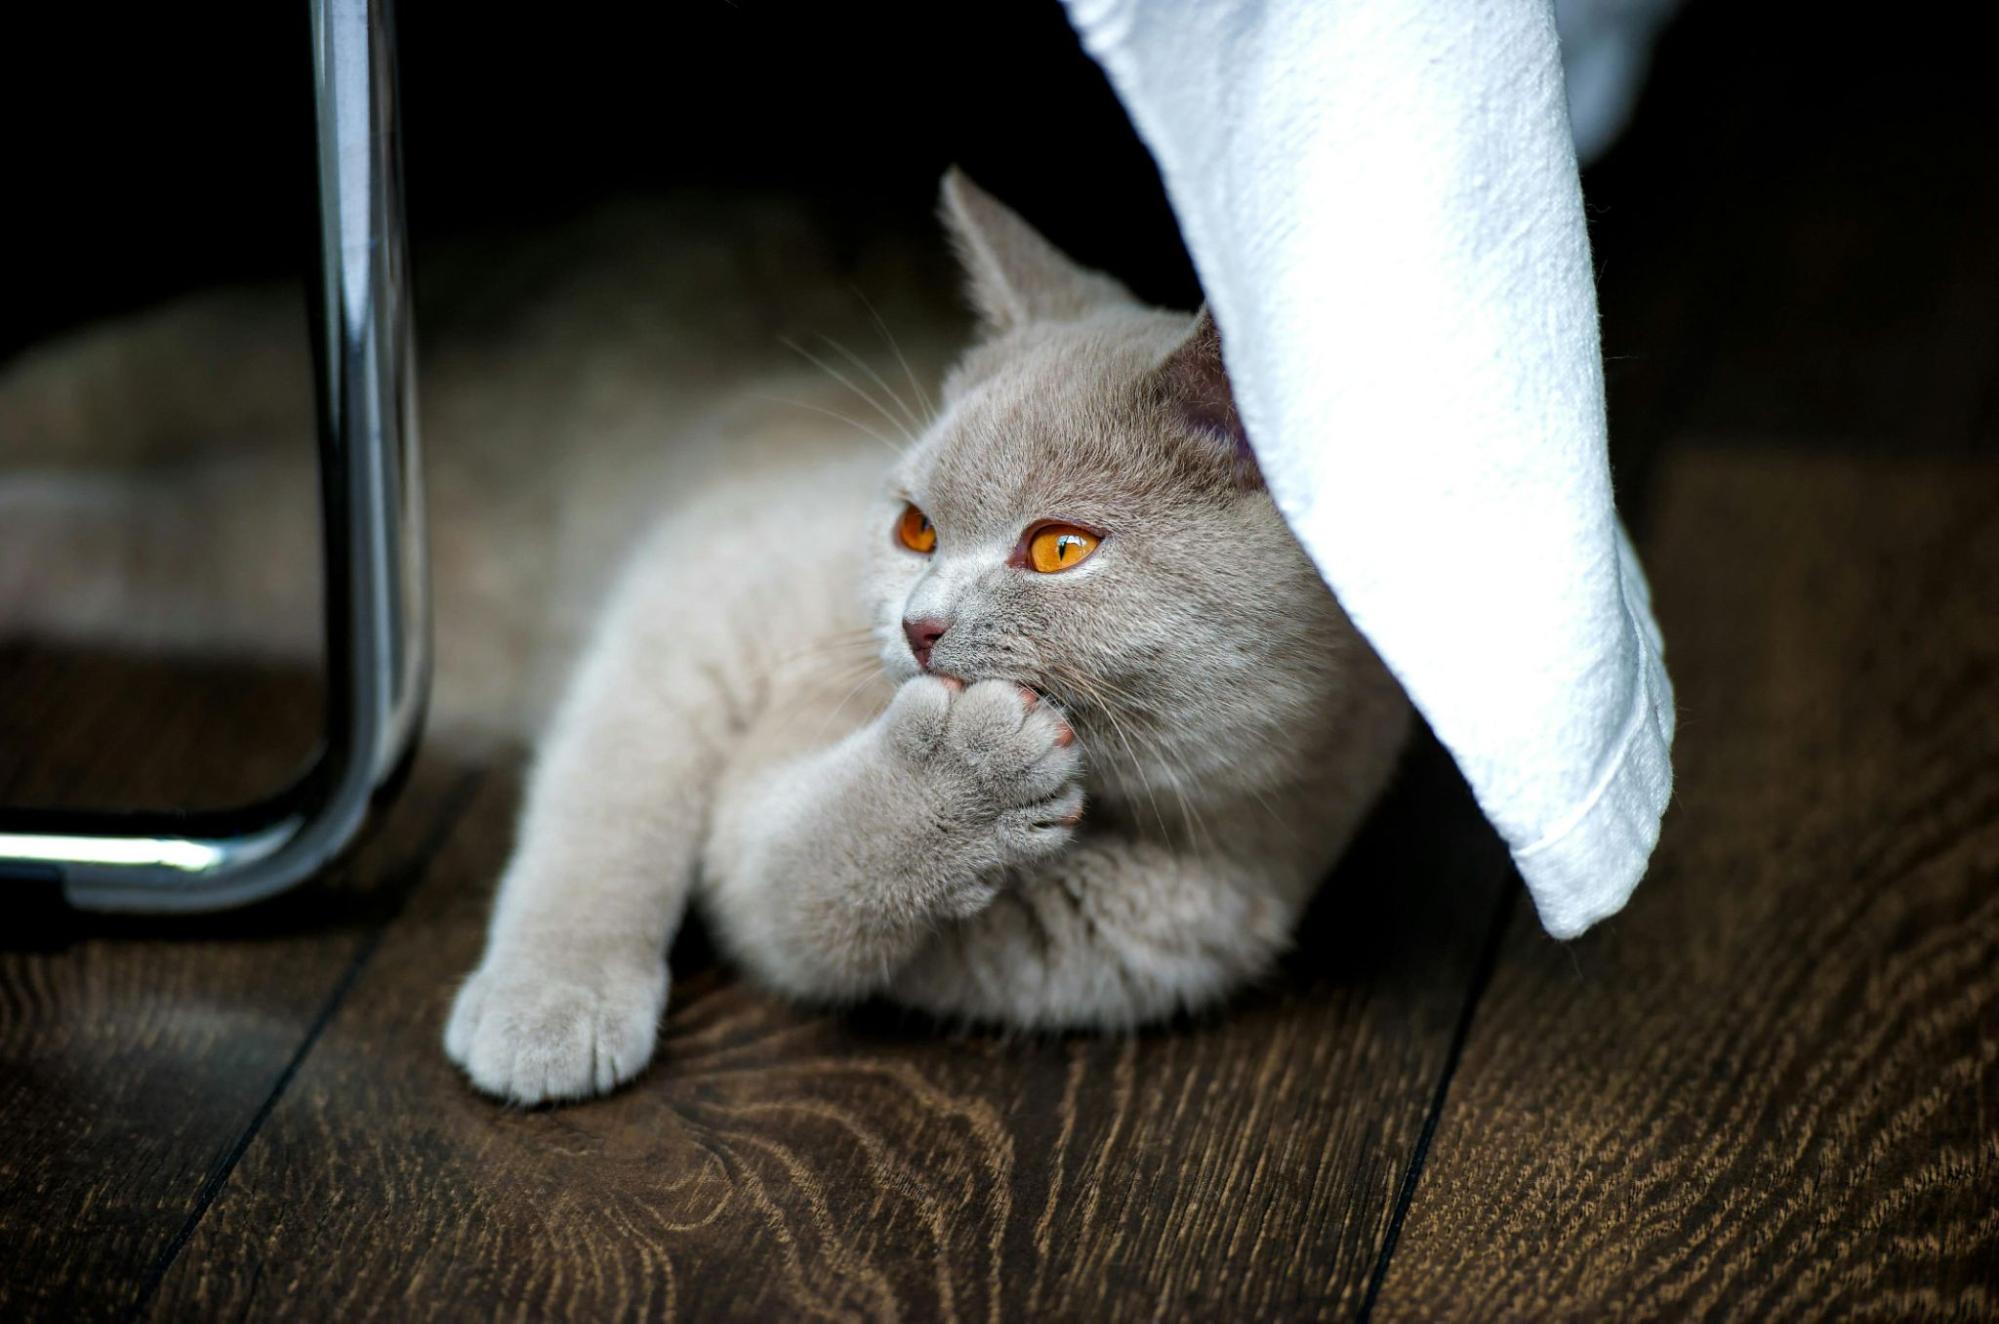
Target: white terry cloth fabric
{"points": [[1382, 202]]}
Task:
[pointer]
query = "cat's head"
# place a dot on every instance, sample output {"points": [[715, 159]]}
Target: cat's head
{"points": [[1084, 515]]}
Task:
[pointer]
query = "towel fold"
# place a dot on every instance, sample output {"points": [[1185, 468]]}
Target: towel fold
{"points": [[1382, 202]]}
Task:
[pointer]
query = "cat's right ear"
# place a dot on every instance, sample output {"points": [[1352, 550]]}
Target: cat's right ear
{"points": [[1194, 384], [1013, 275]]}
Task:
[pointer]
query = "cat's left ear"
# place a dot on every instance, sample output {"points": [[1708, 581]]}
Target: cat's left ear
{"points": [[1015, 276], [1194, 384]]}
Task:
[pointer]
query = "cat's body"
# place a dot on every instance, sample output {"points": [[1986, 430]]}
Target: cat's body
{"points": [[928, 825], [1083, 798]]}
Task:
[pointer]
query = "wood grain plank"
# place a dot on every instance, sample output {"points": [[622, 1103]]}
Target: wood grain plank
{"points": [[101, 730], [1766, 1089], [778, 1163], [135, 1054]]}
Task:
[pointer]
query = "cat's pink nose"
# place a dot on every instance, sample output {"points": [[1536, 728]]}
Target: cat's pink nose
{"points": [[923, 636]]}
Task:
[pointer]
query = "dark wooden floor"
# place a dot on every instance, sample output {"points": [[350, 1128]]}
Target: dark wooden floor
{"points": [[1769, 1088]]}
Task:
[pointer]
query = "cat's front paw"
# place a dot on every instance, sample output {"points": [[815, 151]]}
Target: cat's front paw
{"points": [[999, 761], [535, 1031]]}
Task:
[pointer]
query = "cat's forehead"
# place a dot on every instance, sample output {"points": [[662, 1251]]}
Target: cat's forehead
{"points": [[1055, 425]]}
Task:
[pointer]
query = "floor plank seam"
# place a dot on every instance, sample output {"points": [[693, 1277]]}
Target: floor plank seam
{"points": [[1488, 962], [455, 806]]}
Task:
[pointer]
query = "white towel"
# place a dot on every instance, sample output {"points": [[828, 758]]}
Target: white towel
{"points": [[1382, 202]]}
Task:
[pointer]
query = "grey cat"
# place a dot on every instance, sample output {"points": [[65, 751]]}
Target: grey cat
{"points": [[1052, 724]]}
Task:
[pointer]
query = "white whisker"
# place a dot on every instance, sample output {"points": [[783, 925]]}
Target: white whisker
{"points": [[876, 378], [847, 382], [845, 699], [834, 413], [922, 396], [1103, 708]]}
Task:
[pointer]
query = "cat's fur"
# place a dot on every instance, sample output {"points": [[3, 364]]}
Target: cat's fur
{"points": [[1107, 798]]}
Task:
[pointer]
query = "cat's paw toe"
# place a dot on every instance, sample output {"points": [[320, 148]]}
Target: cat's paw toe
{"points": [[1042, 829], [920, 713], [1017, 744], [532, 1033]]}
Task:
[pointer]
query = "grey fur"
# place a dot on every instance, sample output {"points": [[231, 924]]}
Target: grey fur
{"points": [[901, 834]]}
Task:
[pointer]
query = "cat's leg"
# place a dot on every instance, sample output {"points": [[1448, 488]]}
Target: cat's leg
{"points": [[1114, 933], [828, 873], [567, 1000]]}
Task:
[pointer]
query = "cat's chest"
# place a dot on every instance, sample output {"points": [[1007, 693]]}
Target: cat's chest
{"points": [[811, 702]]}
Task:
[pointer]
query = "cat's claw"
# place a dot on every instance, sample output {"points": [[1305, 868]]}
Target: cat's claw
{"points": [[534, 1032]]}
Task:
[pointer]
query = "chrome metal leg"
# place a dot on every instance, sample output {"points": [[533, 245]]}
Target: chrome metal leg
{"points": [[378, 626]]}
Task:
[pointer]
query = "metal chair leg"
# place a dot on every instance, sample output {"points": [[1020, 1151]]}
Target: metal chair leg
{"points": [[378, 626]]}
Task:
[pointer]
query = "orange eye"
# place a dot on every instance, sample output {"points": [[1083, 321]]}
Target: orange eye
{"points": [[1059, 547], [913, 531]]}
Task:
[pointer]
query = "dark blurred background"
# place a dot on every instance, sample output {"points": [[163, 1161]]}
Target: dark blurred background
{"points": [[175, 152], [1829, 155]]}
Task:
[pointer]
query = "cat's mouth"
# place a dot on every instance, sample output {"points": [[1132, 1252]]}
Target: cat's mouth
{"points": [[902, 663], [1063, 698]]}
